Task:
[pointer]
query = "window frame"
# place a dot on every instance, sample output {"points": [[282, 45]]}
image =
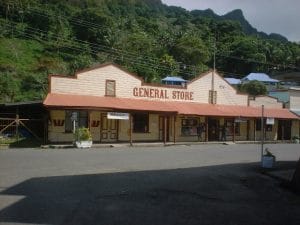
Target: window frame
{"points": [[107, 89], [229, 124], [82, 114], [189, 126], [145, 125]]}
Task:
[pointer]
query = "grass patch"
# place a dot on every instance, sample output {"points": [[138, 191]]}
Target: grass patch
{"points": [[13, 142], [19, 54]]}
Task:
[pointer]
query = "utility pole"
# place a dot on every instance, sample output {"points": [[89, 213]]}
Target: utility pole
{"points": [[214, 65], [262, 132]]}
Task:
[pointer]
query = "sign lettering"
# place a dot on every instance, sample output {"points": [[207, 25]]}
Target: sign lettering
{"points": [[162, 94]]}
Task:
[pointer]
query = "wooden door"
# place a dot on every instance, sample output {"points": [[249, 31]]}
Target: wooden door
{"points": [[109, 129], [213, 129], [161, 128]]}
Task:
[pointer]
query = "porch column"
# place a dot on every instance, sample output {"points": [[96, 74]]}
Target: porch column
{"points": [[165, 129], [254, 129], [174, 132], [130, 129], [248, 128], [206, 129], [233, 139]]}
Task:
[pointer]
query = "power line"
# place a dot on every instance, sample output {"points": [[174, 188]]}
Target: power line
{"points": [[84, 23], [36, 32], [151, 61]]}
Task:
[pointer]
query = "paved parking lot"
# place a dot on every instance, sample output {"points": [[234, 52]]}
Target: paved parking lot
{"points": [[197, 184]]}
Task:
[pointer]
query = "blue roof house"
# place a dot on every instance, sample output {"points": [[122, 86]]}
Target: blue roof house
{"points": [[259, 77], [174, 81], [262, 77], [233, 81]]}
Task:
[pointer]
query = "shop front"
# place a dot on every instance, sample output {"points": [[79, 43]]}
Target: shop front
{"points": [[118, 106]]}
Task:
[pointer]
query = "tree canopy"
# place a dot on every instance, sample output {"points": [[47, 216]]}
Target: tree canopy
{"points": [[40, 37], [253, 88]]}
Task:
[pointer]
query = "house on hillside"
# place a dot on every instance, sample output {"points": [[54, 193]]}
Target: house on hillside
{"points": [[270, 83], [294, 93], [118, 106], [233, 81], [282, 95], [169, 80]]}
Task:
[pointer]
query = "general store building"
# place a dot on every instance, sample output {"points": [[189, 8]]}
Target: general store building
{"points": [[119, 106]]}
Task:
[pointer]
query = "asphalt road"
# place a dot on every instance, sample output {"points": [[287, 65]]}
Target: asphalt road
{"points": [[197, 184]]}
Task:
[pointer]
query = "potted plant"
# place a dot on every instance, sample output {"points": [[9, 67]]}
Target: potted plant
{"points": [[83, 138], [268, 159], [296, 139]]}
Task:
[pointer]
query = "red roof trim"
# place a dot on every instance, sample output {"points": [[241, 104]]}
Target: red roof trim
{"points": [[183, 108]]}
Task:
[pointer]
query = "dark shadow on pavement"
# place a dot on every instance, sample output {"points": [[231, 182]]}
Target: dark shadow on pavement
{"points": [[215, 195]]}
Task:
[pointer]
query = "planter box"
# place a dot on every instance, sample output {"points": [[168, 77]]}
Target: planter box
{"points": [[268, 162], [84, 144]]}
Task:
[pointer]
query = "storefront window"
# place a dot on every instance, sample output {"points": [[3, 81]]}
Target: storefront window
{"points": [[80, 118], [229, 128], [268, 127], [140, 123], [189, 127]]}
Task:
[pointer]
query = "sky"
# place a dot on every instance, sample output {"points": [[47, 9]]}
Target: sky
{"points": [[269, 16]]}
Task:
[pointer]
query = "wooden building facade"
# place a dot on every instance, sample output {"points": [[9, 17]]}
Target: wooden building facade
{"points": [[205, 109]]}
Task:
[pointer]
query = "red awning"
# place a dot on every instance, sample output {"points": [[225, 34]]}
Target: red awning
{"points": [[188, 108]]}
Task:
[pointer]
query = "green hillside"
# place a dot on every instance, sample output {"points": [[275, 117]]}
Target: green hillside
{"points": [[39, 37]]}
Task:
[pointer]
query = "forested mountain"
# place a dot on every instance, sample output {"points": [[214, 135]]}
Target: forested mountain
{"points": [[39, 37]]}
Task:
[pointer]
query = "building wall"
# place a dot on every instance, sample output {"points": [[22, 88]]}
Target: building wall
{"points": [[295, 128], [267, 101], [93, 82], [56, 130], [226, 94], [152, 135], [94, 124], [128, 86], [294, 99]]}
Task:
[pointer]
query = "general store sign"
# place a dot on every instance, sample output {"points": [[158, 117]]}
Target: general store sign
{"points": [[117, 116], [157, 93]]}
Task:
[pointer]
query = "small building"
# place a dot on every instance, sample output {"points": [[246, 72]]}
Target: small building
{"points": [[262, 77], [282, 96], [118, 106], [174, 81], [233, 81]]}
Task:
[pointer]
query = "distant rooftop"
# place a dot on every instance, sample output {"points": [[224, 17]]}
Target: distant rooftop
{"points": [[177, 79], [295, 88], [259, 77], [174, 80], [232, 80], [282, 96]]}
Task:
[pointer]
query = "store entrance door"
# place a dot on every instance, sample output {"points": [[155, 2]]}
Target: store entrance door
{"points": [[213, 129], [108, 129], [284, 129]]}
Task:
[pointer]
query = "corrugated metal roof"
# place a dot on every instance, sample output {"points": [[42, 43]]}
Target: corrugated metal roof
{"points": [[297, 112], [126, 104], [232, 80], [259, 77], [282, 96], [177, 79]]}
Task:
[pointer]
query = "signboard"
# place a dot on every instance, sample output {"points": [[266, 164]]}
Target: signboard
{"points": [[270, 121], [117, 116], [74, 116], [159, 93], [240, 120]]}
